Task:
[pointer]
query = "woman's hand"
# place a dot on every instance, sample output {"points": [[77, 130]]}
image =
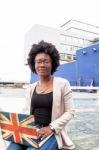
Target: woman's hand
{"points": [[44, 132]]}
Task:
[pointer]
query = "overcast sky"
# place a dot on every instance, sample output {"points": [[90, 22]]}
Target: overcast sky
{"points": [[18, 16]]}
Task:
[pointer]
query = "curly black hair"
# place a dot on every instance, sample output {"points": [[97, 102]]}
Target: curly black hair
{"points": [[43, 47]]}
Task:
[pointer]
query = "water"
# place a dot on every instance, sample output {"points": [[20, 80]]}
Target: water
{"points": [[12, 92], [12, 99]]}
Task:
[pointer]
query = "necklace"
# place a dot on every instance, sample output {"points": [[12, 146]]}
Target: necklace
{"points": [[44, 89], [41, 89]]}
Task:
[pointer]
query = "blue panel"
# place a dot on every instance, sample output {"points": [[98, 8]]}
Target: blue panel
{"points": [[34, 77], [88, 65], [67, 71]]}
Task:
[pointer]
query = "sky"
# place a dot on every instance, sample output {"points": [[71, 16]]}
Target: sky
{"points": [[18, 16]]}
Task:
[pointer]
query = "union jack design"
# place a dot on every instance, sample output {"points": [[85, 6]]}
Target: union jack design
{"points": [[19, 128]]}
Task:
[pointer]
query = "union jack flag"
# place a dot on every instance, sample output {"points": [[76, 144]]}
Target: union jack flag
{"points": [[19, 128]]}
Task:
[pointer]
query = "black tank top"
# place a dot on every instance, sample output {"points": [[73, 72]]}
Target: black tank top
{"points": [[41, 107]]}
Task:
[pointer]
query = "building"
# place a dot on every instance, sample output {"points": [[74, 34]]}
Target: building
{"points": [[70, 37], [77, 43], [84, 71], [76, 35], [38, 33]]}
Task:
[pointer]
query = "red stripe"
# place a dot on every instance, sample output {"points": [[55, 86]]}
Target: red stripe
{"points": [[16, 128], [22, 130]]}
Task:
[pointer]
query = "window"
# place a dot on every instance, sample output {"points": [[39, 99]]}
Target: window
{"points": [[74, 57], [68, 39], [62, 38], [62, 56], [69, 56]]}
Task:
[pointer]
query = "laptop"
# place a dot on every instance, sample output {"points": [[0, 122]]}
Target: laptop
{"points": [[21, 129]]}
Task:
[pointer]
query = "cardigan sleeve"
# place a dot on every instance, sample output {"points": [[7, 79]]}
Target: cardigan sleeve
{"points": [[68, 113]]}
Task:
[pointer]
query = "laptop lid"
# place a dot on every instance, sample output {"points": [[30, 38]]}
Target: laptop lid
{"points": [[19, 128]]}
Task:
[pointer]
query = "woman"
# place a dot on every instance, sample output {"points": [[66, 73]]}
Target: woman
{"points": [[49, 99]]}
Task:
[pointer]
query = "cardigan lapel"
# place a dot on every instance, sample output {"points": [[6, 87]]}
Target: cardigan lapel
{"points": [[56, 99]]}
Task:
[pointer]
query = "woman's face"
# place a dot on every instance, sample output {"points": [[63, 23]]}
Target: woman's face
{"points": [[43, 64]]}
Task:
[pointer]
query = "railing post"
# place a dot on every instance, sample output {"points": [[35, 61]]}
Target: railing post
{"points": [[97, 98]]}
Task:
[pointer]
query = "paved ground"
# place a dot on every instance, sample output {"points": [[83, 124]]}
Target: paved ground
{"points": [[83, 129]]}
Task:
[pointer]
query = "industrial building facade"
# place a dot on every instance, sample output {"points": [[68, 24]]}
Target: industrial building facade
{"points": [[70, 37], [77, 43]]}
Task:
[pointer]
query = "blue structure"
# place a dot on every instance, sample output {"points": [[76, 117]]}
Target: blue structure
{"points": [[84, 71], [68, 71], [88, 65]]}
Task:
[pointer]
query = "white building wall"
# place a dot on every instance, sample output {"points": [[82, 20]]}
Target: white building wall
{"points": [[81, 29], [72, 36], [38, 33]]}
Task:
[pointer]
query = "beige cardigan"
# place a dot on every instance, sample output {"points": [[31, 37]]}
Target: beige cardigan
{"points": [[62, 110]]}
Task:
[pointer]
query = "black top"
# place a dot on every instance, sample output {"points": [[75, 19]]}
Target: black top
{"points": [[41, 107]]}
